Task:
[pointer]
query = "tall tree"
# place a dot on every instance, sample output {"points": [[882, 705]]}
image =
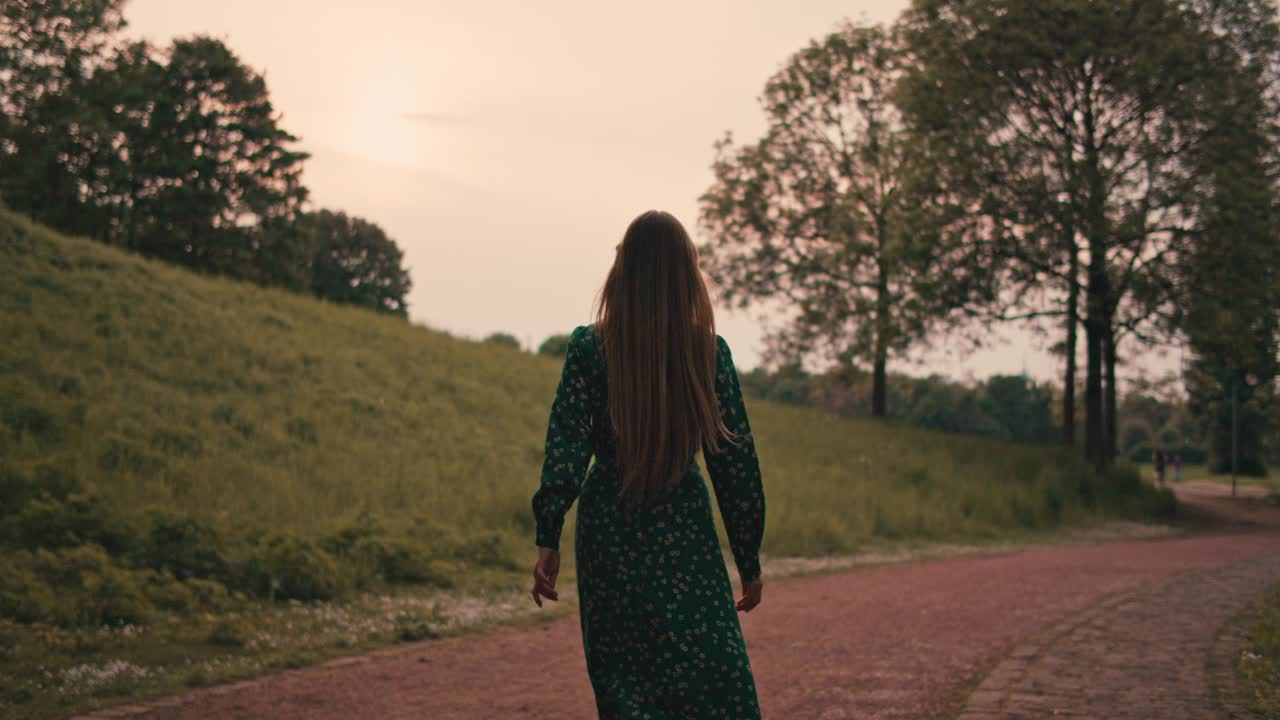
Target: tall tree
{"points": [[52, 129], [355, 263], [819, 212], [1231, 275], [1071, 124], [213, 175]]}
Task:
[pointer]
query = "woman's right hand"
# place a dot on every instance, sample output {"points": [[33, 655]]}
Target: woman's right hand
{"points": [[750, 595], [545, 572]]}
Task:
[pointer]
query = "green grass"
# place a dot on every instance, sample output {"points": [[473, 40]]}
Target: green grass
{"points": [[1259, 663], [228, 445]]}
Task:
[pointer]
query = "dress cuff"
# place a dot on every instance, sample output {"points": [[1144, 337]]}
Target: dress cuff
{"points": [[548, 537]]}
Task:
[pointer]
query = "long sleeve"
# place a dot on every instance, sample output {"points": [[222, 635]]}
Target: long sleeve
{"points": [[568, 448], [735, 471]]}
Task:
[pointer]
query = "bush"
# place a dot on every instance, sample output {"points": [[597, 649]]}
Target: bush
{"points": [[504, 340], [399, 562], [373, 557], [182, 546], [284, 567], [23, 418], [74, 586], [169, 593], [16, 489], [49, 522], [1122, 493]]}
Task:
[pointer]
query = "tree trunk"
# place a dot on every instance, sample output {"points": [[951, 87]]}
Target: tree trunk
{"points": [[1095, 325], [880, 379], [1112, 422], [1097, 294], [880, 376], [1093, 434], [879, 388], [1073, 323]]}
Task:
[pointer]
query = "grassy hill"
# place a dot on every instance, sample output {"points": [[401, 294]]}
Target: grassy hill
{"points": [[185, 446]]}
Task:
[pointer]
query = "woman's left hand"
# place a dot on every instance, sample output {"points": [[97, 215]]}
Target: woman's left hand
{"points": [[545, 572]]}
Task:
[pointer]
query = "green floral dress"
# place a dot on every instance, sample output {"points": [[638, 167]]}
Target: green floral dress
{"points": [[659, 625]]}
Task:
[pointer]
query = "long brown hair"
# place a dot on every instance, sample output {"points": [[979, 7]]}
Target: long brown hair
{"points": [[659, 338]]}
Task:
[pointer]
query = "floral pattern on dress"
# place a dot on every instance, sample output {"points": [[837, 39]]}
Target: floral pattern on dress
{"points": [[659, 626]]}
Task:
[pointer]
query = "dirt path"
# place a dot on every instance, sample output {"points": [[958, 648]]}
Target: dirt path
{"points": [[907, 641]]}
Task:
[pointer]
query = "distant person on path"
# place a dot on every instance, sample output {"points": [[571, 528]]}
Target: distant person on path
{"points": [[1177, 468], [643, 389], [1158, 461]]}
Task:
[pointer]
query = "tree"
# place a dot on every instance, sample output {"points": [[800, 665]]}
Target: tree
{"points": [[1231, 274], [52, 127], [213, 183], [503, 339], [819, 211], [555, 346], [353, 262], [1021, 406], [1069, 127]]}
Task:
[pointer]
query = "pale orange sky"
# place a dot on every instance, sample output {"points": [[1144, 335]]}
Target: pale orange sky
{"points": [[506, 145]]}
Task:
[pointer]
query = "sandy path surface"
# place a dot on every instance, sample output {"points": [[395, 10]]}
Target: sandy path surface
{"points": [[904, 641]]}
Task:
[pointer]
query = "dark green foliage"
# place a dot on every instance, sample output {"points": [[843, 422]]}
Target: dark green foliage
{"points": [[75, 520], [1006, 407], [1020, 406], [174, 153], [21, 419], [788, 384], [70, 586], [189, 201], [504, 340], [555, 346], [1086, 143], [52, 123], [84, 586], [353, 262], [281, 566], [182, 546], [1121, 490]]}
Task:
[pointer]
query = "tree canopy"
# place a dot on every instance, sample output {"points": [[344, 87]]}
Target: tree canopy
{"points": [[819, 211], [353, 262], [1072, 131]]}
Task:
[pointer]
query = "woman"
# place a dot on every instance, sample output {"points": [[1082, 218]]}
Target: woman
{"points": [[643, 389]]}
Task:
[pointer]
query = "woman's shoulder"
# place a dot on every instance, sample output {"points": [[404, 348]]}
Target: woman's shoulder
{"points": [[723, 352], [583, 341]]}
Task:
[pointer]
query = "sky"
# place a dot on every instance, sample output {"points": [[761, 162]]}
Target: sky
{"points": [[506, 145]]}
